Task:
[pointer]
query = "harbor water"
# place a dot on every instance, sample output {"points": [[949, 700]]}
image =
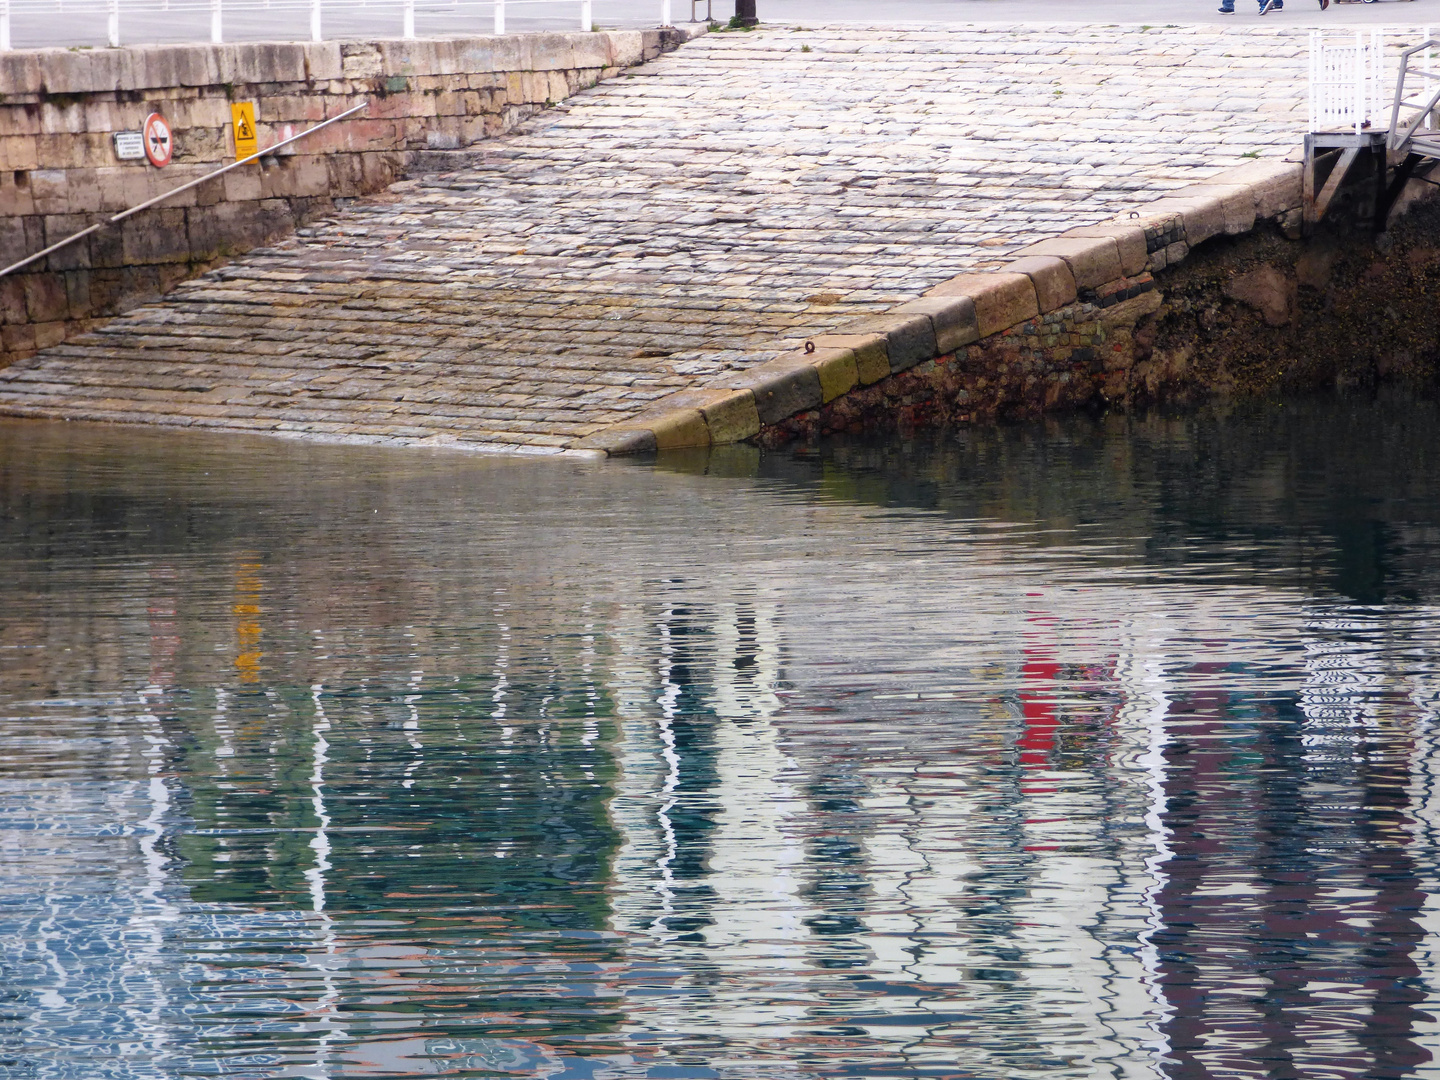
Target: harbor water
{"points": [[1095, 748]]}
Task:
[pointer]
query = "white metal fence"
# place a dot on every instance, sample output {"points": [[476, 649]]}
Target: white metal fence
{"points": [[1352, 77], [147, 20]]}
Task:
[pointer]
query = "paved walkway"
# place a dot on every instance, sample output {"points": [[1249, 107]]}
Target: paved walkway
{"points": [[34, 23], [721, 205]]}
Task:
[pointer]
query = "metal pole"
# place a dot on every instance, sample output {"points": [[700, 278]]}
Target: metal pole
{"points": [[665, 13], [315, 20], [1314, 77], [587, 17], [216, 31], [1360, 72], [113, 27], [176, 191], [4, 25], [745, 13], [1426, 59], [499, 16], [408, 28]]}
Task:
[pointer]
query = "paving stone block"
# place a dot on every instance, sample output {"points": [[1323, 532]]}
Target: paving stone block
{"points": [[322, 61], [1002, 299], [61, 71], [20, 72], [872, 357], [15, 200], [20, 118], [18, 340], [243, 184], [781, 388], [1201, 216], [627, 48], [838, 371], [1129, 243], [45, 298], [49, 188], [909, 336], [20, 237], [18, 152], [1275, 186], [590, 51], [952, 319], [158, 68], [680, 429], [83, 191], [732, 419], [157, 236], [1093, 261], [49, 334], [60, 227], [1054, 284], [100, 115], [62, 117], [12, 299], [1239, 204]]}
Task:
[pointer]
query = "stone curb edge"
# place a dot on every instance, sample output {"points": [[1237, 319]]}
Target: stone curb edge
{"points": [[1103, 264]]}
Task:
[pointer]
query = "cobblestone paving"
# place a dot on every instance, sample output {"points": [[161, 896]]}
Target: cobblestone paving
{"points": [[717, 206]]}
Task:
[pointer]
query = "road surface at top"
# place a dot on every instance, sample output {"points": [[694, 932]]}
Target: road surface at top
{"points": [[717, 206], [83, 23]]}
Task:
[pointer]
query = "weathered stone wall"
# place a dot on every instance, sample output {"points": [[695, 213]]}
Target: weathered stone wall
{"points": [[1259, 313], [59, 172]]}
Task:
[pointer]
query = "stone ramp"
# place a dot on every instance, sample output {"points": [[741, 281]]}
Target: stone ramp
{"points": [[706, 213]]}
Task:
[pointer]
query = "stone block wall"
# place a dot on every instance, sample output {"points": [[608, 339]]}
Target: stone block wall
{"points": [[59, 172]]}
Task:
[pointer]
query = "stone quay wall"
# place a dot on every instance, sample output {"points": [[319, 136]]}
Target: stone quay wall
{"points": [[1210, 291], [59, 172]]}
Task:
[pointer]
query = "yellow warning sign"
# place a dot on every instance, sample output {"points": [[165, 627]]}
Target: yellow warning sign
{"points": [[247, 142]]}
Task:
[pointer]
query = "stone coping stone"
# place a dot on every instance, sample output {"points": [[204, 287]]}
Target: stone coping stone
{"points": [[1048, 275], [1092, 260], [1002, 298], [150, 67]]}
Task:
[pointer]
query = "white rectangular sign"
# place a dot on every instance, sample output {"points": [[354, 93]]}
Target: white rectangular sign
{"points": [[129, 145]]}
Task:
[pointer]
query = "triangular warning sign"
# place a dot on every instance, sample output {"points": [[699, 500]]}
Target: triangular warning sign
{"points": [[244, 130]]}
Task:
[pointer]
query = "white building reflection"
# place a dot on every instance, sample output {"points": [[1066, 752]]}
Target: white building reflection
{"points": [[988, 823]]}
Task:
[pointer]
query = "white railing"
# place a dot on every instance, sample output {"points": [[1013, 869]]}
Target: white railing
{"points": [[149, 14], [1343, 80], [1352, 78]]}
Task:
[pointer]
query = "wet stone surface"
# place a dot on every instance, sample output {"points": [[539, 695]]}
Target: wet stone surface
{"points": [[712, 209]]}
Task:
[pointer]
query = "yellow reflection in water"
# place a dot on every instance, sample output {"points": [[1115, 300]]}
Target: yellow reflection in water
{"points": [[246, 610]]}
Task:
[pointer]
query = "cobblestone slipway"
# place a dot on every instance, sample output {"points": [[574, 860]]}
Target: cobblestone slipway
{"points": [[712, 209]]}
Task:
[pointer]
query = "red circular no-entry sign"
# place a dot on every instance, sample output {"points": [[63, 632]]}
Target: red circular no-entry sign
{"points": [[159, 144]]}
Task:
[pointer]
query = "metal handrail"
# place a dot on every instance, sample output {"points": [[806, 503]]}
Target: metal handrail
{"points": [[1400, 133], [176, 191]]}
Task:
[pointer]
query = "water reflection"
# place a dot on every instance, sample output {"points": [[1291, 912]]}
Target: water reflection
{"points": [[1083, 750]]}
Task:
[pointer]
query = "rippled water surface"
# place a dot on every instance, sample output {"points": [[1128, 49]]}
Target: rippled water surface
{"points": [[1083, 750]]}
